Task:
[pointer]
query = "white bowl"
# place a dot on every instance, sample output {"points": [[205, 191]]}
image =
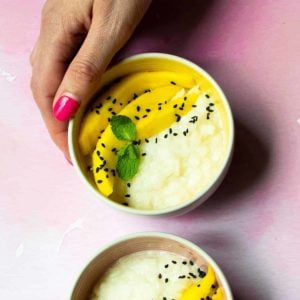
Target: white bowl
{"points": [[143, 242], [134, 64]]}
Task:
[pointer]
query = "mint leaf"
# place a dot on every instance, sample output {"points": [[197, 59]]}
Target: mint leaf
{"points": [[128, 161], [123, 128]]}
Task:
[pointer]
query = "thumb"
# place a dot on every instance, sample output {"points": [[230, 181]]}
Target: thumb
{"points": [[82, 77]]}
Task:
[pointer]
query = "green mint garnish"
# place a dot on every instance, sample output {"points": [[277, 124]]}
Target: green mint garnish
{"points": [[128, 161], [123, 128], [129, 155]]}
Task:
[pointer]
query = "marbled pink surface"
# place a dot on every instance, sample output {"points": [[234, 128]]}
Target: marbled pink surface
{"points": [[50, 224]]}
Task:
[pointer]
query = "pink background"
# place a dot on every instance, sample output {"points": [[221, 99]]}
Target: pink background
{"points": [[50, 224]]}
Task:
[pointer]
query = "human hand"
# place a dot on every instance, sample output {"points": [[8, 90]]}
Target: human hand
{"points": [[77, 41]]}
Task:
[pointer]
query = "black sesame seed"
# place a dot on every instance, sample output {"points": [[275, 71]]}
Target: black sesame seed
{"points": [[201, 274], [166, 280], [175, 105], [184, 262], [106, 170], [207, 116], [99, 181], [144, 154], [159, 108], [165, 136], [184, 98], [147, 91], [134, 96], [166, 102], [170, 130], [145, 116], [175, 134], [113, 149], [102, 131], [109, 97], [178, 117], [107, 176], [174, 262], [138, 108], [172, 82], [113, 113], [114, 101], [97, 112], [181, 277], [121, 103], [146, 140], [128, 184], [191, 263], [108, 119], [136, 117], [98, 152], [164, 298], [110, 109], [127, 196], [211, 104], [208, 298], [166, 266], [125, 203], [159, 276], [156, 140], [102, 158], [103, 145], [207, 96], [148, 109], [194, 105], [198, 285], [213, 286], [192, 275]]}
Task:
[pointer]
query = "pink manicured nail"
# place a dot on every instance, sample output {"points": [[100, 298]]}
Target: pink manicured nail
{"points": [[65, 107]]}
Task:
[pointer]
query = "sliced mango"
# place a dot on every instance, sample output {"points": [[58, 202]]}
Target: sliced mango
{"points": [[118, 96], [202, 288], [104, 157], [219, 295], [169, 113]]}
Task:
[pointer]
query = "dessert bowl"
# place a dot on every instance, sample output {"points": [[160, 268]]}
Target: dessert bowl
{"points": [[180, 144], [150, 276]]}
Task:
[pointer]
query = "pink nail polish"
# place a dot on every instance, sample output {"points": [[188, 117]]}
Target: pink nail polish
{"points": [[65, 107]]}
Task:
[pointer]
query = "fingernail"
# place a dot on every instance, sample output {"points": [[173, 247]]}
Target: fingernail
{"points": [[65, 107]]}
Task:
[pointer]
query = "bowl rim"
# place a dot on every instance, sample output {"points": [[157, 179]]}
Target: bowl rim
{"points": [[218, 177], [149, 234]]}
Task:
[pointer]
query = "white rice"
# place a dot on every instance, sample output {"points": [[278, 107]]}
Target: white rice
{"points": [[136, 277], [177, 168]]}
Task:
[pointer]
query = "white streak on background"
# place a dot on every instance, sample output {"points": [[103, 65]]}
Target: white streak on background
{"points": [[8, 76], [19, 250], [73, 226]]}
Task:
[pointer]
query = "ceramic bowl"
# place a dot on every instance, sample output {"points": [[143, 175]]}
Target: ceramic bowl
{"points": [[143, 242], [152, 62]]}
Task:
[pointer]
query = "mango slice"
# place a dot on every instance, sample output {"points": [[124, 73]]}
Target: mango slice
{"points": [[202, 288], [104, 157], [118, 96], [219, 295]]}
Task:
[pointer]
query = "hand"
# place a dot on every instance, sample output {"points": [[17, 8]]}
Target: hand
{"points": [[78, 39]]}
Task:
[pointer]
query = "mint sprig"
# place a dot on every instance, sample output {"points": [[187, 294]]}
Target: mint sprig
{"points": [[129, 155], [128, 161], [123, 128]]}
